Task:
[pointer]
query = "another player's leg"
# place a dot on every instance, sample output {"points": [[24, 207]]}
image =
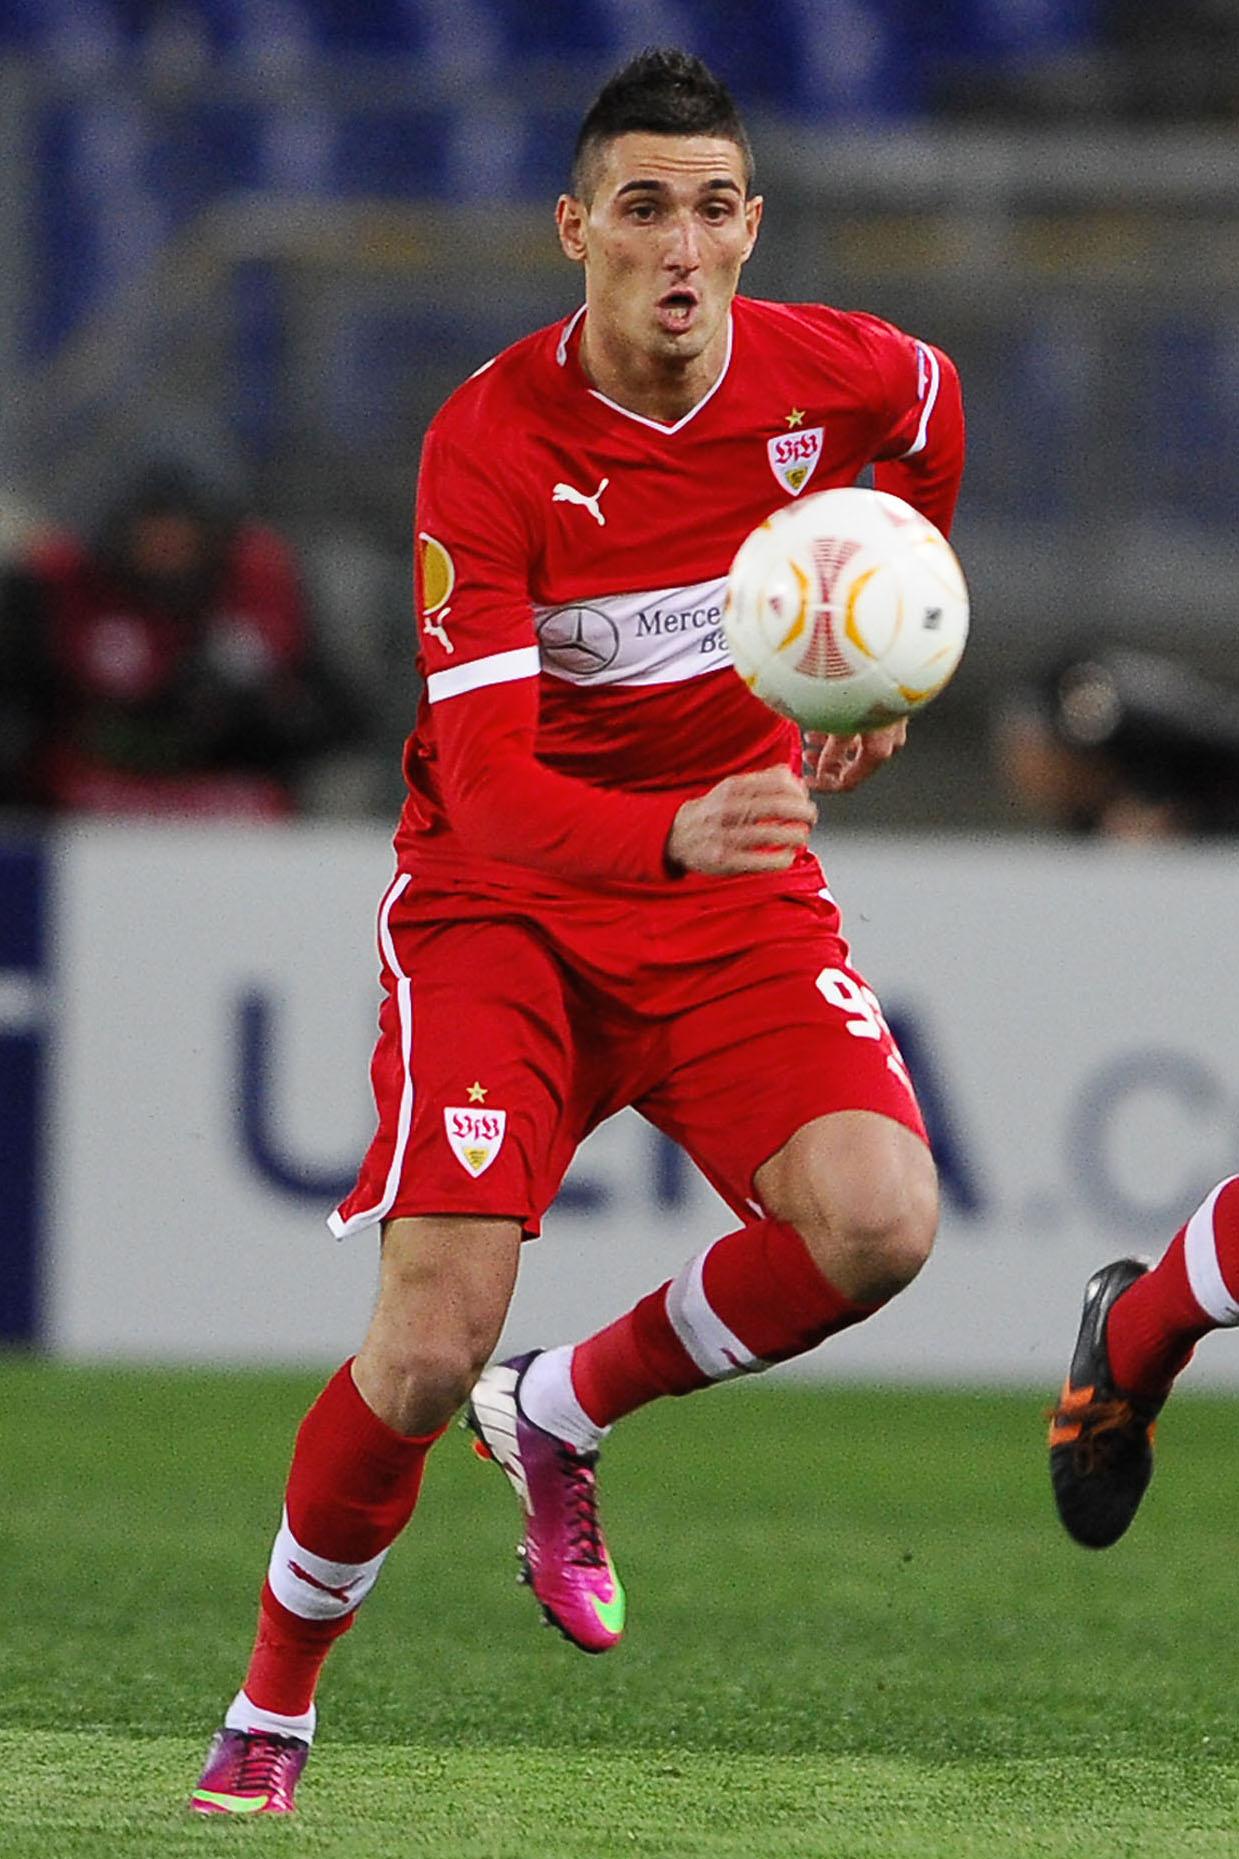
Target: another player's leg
{"points": [[1137, 1332], [355, 1477], [853, 1205]]}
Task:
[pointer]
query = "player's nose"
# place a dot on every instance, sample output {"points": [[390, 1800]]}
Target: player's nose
{"points": [[683, 251]]}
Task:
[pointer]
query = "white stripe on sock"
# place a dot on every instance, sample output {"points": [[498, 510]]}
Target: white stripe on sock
{"points": [[1204, 1274], [549, 1399], [243, 1714], [313, 1587], [717, 1352]]}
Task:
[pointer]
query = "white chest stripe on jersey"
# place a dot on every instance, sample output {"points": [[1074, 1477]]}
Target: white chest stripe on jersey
{"points": [[663, 636]]}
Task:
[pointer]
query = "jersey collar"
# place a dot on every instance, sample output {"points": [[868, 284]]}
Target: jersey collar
{"points": [[562, 356]]}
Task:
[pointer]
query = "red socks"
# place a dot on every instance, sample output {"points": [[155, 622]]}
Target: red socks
{"points": [[751, 1299], [352, 1487], [1194, 1288]]}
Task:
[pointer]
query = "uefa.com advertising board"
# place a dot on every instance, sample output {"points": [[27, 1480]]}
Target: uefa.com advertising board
{"points": [[186, 1018]]}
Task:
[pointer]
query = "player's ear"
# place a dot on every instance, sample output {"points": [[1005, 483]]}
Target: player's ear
{"points": [[753, 208], [570, 217]]}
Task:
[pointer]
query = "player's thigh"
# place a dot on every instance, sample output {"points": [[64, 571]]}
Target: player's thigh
{"points": [[474, 1076], [776, 1055]]}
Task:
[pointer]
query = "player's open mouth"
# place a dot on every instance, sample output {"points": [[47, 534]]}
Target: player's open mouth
{"points": [[676, 309]]}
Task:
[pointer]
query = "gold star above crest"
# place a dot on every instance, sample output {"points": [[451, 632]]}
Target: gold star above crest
{"points": [[795, 417], [477, 1093]]}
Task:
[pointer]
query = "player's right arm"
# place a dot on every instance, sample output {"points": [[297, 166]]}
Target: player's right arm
{"points": [[754, 822], [480, 658]]}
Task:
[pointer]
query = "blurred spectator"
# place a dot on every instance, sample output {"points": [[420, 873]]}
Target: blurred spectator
{"points": [[165, 666], [1125, 744]]}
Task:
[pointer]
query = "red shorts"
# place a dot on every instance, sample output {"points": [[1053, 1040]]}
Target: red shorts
{"points": [[505, 1038]]}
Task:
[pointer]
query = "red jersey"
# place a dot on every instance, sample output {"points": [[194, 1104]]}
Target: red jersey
{"points": [[571, 567]]}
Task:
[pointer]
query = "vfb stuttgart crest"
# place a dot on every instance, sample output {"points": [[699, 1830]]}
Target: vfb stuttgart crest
{"points": [[476, 1136], [793, 457]]}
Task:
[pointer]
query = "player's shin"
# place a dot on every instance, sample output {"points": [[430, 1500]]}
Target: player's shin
{"points": [[352, 1487], [751, 1299]]}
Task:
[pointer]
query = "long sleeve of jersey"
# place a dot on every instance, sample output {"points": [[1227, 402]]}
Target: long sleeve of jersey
{"points": [[480, 660], [505, 804], [920, 456]]}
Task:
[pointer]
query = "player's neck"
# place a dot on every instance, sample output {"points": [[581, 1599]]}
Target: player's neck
{"points": [[656, 387]]}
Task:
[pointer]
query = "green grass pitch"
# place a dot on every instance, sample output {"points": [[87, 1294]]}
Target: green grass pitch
{"points": [[855, 1631]]}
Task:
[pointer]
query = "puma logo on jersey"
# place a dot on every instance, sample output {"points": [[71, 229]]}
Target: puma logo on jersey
{"points": [[568, 493], [434, 628]]}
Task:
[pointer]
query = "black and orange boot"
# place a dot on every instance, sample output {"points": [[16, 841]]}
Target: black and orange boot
{"points": [[1101, 1439]]}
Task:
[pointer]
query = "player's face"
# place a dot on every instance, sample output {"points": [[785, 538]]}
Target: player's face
{"points": [[662, 238]]}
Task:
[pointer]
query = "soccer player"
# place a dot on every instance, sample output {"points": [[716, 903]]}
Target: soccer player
{"points": [[1137, 1334], [603, 893]]}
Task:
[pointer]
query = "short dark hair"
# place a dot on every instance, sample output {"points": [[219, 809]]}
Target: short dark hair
{"points": [[664, 92]]}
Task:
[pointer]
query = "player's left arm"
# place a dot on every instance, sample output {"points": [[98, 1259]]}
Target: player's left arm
{"points": [[919, 456], [836, 764], [919, 444]]}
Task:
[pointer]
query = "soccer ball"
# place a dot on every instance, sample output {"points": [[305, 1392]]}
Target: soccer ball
{"points": [[846, 611]]}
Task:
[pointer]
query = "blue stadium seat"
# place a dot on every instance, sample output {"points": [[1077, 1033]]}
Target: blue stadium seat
{"points": [[567, 30], [1186, 416], [394, 152], [103, 181], [198, 153], [850, 61]]}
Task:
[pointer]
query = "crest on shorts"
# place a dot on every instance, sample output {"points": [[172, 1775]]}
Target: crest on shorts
{"points": [[476, 1136], [793, 457]]}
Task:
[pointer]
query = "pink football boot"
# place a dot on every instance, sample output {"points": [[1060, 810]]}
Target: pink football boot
{"points": [[250, 1772], [563, 1556]]}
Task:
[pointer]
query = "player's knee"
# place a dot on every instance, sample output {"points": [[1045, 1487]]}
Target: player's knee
{"points": [[425, 1361], [888, 1254], [430, 1379], [872, 1242]]}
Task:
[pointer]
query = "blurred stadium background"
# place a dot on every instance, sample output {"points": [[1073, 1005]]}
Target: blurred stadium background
{"points": [[271, 235], [280, 231]]}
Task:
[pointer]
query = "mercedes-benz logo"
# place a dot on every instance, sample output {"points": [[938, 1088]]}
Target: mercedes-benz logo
{"points": [[582, 640]]}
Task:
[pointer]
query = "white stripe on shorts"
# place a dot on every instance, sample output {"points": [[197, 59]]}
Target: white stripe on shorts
{"points": [[1203, 1272], [716, 1351], [404, 1121], [311, 1586]]}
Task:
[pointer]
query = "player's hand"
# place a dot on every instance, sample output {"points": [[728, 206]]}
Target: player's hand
{"points": [[836, 764], [754, 822]]}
